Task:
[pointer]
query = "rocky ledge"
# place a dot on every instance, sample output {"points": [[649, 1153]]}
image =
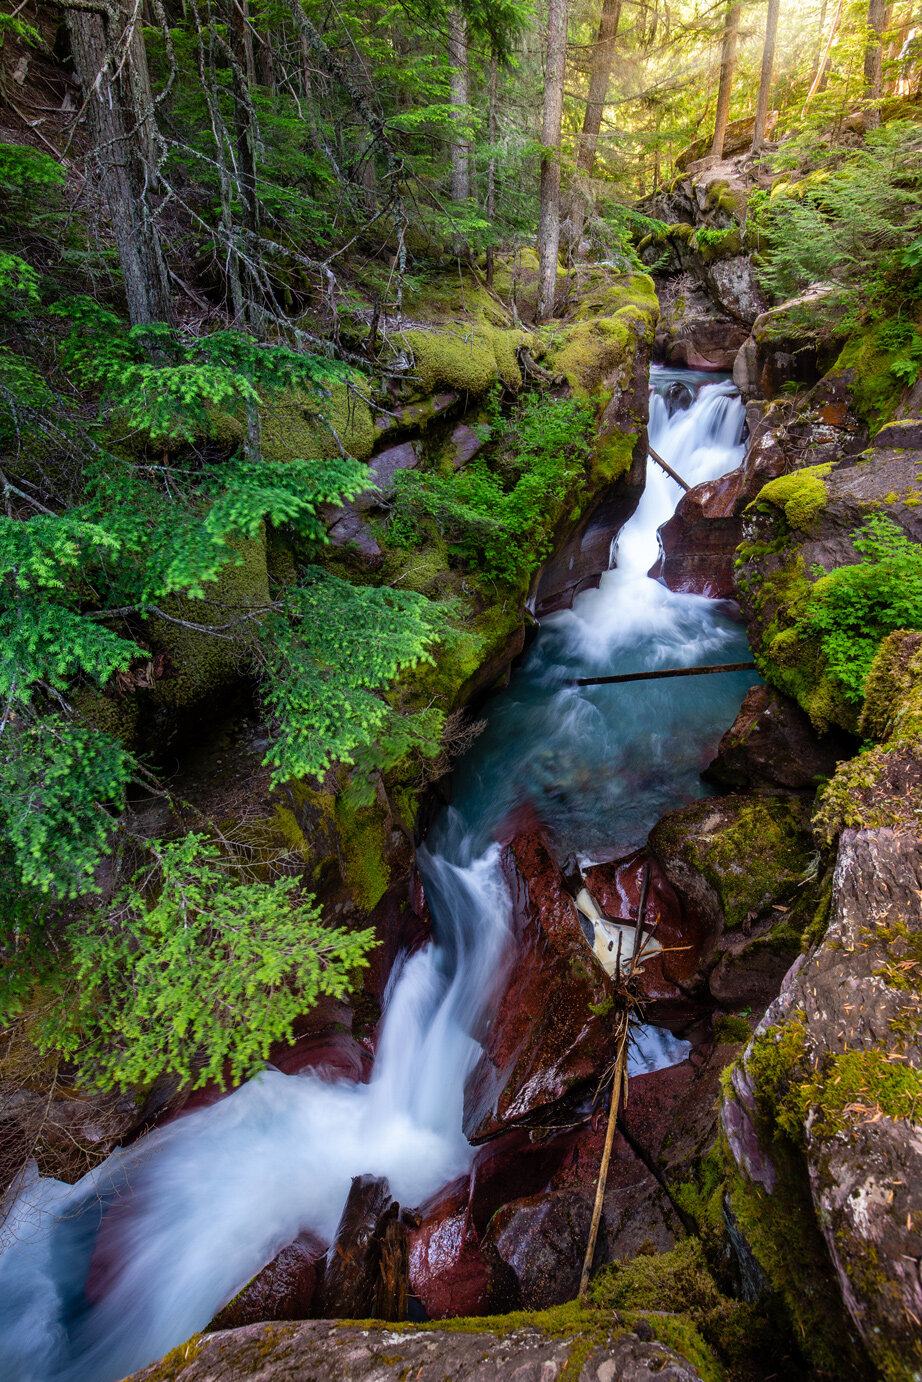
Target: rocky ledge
{"points": [[321, 1348]]}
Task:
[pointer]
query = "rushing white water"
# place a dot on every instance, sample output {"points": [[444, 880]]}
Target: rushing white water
{"points": [[100, 1278]]}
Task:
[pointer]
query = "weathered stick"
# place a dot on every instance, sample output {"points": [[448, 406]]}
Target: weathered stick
{"points": [[606, 1157], [665, 672], [668, 468]]}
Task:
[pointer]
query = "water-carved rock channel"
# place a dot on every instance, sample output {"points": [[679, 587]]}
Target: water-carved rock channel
{"points": [[102, 1277]]}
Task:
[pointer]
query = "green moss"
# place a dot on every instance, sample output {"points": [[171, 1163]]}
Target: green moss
{"points": [[612, 456], [875, 390], [856, 1085], [363, 841], [856, 797], [295, 428], [892, 688], [728, 1028], [201, 663], [802, 495], [752, 855], [111, 712], [468, 359]]}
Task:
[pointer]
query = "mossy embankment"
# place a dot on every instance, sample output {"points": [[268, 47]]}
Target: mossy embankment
{"points": [[472, 396]]}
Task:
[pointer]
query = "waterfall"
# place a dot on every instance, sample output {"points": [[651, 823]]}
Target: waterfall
{"points": [[100, 1278]]}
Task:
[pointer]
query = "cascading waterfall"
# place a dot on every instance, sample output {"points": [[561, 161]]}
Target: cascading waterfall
{"points": [[100, 1278]]}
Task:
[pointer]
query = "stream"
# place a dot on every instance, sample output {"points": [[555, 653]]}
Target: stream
{"points": [[102, 1277]]}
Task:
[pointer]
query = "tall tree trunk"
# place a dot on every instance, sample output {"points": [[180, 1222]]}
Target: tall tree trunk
{"points": [[549, 218], [727, 68], [111, 66], [241, 52], [765, 81], [491, 167], [603, 58], [460, 90], [873, 63]]}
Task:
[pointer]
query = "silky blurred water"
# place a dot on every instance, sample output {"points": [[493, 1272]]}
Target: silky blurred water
{"points": [[100, 1278]]}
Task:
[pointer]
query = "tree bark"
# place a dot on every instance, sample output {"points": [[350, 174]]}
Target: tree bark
{"points": [[603, 58], [111, 66], [873, 63], [727, 69], [549, 218], [765, 81], [241, 52], [491, 167], [460, 91]]}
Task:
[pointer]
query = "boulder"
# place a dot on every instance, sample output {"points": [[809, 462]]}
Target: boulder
{"points": [[538, 1052], [321, 1348], [821, 1117], [585, 555], [699, 342], [735, 857], [772, 743], [449, 1273], [734, 289], [284, 1290], [800, 526], [686, 934]]}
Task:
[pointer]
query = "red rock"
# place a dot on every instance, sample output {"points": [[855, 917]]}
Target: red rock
{"points": [[772, 743], [537, 1051], [686, 935], [449, 1274], [284, 1290]]}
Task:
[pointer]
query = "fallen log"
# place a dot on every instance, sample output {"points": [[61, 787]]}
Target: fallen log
{"points": [[668, 468], [665, 672]]}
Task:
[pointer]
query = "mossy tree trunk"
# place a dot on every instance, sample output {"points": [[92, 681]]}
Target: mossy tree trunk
{"points": [[727, 69], [549, 216]]}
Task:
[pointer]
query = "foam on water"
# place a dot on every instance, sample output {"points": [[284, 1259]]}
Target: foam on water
{"points": [[100, 1278]]}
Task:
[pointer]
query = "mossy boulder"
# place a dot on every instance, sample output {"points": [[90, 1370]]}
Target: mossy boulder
{"points": [[735, 857], [203, 664], [296, 426], [821, 1118], [800, 527]]}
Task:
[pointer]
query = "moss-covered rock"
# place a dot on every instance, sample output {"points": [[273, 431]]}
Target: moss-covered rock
{"points": [[203, 664], [735, 856]]}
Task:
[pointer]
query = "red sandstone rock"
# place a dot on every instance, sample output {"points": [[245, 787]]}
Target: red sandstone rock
{"points": [[686, 935], [545, 1039], [449, 1274], [284, 1290]]}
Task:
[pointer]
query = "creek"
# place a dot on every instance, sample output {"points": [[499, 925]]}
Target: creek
{"points": [[102, 1277]]}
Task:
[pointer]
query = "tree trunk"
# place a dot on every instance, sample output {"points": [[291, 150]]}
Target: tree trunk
{"points": [[549, 217], [241, 50], [727, 68], [765, 82], [491, 167], [603, 58], [460, 90], [873, 63], [120, 117]]}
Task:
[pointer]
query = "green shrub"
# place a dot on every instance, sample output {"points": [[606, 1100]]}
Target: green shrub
{"points": [[853, 608], [496, 518]]}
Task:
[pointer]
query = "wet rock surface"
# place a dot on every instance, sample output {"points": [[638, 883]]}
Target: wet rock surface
{"points": [[319, 1348], [283, 1290], [536, 1052], [772, 744]]}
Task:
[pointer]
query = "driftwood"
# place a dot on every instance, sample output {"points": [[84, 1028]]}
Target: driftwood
{"points": [[665, 672], [668, 468]]}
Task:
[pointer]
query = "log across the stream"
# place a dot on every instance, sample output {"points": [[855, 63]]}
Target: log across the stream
{"points": [[665, 672]]}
